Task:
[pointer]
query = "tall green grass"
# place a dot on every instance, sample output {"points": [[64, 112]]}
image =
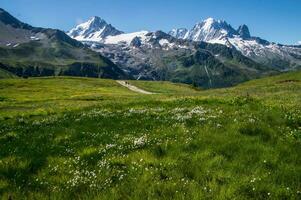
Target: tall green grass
{"points": [[107, 142]]}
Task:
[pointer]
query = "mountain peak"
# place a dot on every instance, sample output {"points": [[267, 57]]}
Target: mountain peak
{"points": [[95, 29], [207, 23], [209, 20], [93, 23], [243, 31], [210, 29], [96, 20]]}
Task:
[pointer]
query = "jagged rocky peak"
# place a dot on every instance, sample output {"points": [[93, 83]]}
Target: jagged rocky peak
{"points": [[244, 32], [136, 42], [210, 29], [95, 29], [211, 23], [95, 23], [159, 38], [160, 34]]}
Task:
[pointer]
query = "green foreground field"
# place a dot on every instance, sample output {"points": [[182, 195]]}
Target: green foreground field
{"points": [[84, 138]]}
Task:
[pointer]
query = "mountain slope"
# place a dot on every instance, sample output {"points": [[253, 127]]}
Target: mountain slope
{"points": [[31, 51], [282, 57], [159, 56], [6, 74]]}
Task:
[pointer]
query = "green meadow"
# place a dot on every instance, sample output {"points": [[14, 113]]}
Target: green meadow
{"points": [[85, 138]]}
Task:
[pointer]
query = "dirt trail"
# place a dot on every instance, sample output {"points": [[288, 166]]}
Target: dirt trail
{"points": [[133, 88]]}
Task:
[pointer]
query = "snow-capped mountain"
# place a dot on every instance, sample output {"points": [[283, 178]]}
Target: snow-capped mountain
{"points": [[22, 44], [209, 30], [95, 29], [160, 56], [97, 33], [218, 31], [138, 52]]}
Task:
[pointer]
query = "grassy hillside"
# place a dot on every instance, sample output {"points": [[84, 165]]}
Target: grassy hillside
{"points": [[35, 96], [81, 138], [55, 57], [6, 74], [30, 51], [282, 90]]}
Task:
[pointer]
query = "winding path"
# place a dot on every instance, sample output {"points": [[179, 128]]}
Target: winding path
{"points": [[133, 88]]}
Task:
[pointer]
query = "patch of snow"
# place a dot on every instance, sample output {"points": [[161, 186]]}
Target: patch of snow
{"points": [[218, 41], [224, 32], [208, 24], [252, 47], [34, 38], [210, 81], [183, 47], [126, 38], [95, 37], [163, 42]]}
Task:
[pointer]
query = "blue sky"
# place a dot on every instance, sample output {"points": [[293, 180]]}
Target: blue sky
{"points": [[274, 20]]}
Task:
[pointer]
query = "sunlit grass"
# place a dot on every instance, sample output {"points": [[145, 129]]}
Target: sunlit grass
{"points": [[237, 143]]}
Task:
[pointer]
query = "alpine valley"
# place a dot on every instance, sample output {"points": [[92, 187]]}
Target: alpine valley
{"points": [[97, 113], [211, 54]]}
